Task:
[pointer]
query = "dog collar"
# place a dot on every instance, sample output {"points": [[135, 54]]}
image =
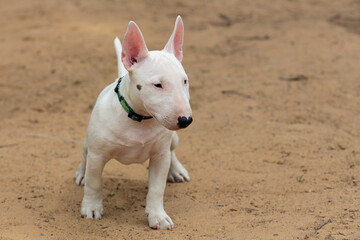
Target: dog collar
{"points": [[131, 113]]}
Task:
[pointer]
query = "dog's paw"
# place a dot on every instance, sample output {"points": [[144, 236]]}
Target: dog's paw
{"points": [[79, 177], [160, 220], [92, 209], [178, 173]]}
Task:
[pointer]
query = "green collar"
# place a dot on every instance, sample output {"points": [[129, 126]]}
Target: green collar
{"points": [[131, 113]]}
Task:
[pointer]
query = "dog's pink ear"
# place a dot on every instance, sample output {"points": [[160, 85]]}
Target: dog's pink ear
{"points": [[134, 47], [174, 45]]}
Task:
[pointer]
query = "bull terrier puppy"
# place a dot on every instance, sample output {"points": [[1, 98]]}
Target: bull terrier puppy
{"points": [[135, 119]]}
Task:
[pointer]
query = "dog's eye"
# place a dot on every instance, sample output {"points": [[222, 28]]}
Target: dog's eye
{"points": [[185, 81], [158, 85]]}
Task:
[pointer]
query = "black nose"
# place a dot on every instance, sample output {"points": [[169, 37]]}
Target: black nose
{"points": [[183, 122]]}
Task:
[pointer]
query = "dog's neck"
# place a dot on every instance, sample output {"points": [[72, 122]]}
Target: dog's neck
{"points": [[128, 91]]}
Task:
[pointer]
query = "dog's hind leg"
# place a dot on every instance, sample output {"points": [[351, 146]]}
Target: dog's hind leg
{"points": [[80, 171], [177, 172]]}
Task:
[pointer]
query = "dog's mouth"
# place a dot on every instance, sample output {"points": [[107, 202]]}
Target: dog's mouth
{"points": [[166, 122]]}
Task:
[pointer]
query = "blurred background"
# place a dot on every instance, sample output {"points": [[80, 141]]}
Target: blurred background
{"points": [[274, 150]]}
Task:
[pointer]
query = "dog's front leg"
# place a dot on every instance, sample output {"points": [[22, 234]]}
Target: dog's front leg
{"points": [[158, 171], [92, 206]]}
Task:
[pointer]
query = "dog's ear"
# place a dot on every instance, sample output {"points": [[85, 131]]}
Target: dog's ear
{"points": [[134, 47], [174, 45]]}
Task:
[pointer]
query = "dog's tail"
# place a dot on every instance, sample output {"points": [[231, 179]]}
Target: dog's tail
{"points": [[118, 49]]}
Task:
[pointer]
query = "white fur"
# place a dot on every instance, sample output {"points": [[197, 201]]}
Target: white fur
{"points": [[118, 49], [111, 134]]}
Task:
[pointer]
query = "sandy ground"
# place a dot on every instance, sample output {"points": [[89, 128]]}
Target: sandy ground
{"points": [[273, 153]]}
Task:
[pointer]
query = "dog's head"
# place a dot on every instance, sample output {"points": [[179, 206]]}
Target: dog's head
{"points": [[158, 79]]}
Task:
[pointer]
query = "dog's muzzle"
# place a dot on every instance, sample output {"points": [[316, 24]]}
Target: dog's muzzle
{"points": [[183, 122]]}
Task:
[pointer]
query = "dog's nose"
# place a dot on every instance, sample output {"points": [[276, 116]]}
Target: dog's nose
{"points": [[183, 122]]}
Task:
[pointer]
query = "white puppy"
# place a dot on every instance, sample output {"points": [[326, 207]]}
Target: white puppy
{"points": [[134, 119]]}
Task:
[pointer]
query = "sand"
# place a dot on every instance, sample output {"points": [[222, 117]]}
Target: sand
{"points": [[274, 149]]}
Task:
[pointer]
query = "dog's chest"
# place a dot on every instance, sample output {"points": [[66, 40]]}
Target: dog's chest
{"points": [[136, 146], [133, 154]]}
